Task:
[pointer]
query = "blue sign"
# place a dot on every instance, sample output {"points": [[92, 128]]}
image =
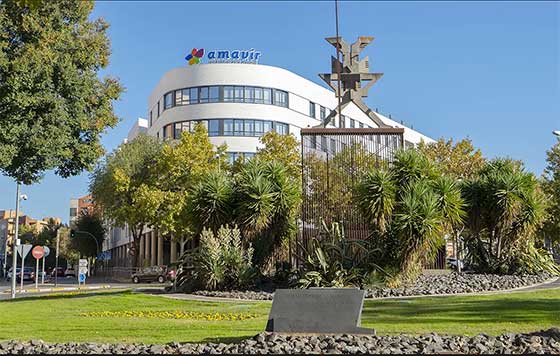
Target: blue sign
{"points": [[82, 277]]}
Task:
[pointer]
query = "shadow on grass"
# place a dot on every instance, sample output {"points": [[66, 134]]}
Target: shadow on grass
{"points": [[66, 295], [225, 339]]}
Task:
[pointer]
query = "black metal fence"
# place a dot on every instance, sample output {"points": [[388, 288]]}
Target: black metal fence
{"points": [[333, 162]]}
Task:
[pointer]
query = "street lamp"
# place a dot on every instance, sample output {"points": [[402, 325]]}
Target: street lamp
{"points": [[15, 242]]}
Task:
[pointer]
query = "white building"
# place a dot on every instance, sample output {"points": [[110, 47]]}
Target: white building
{"points": [[238, 103]]}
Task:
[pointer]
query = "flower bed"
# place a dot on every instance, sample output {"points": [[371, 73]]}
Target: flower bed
{"points": [[177, 314]]}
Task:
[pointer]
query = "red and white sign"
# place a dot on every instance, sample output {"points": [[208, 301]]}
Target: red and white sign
{"points": [[38, 252]]}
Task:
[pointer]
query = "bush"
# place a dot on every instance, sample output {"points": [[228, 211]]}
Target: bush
{"points": [[220, 262]]}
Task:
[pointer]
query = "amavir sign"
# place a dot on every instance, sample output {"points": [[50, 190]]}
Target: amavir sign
{"points": [[224, 56]]}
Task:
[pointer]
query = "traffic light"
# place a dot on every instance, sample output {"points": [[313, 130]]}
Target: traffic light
{"points": [[72, 233]]}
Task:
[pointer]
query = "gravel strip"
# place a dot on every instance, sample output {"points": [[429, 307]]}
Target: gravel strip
{"points": [[452, 283], [546, 341]]}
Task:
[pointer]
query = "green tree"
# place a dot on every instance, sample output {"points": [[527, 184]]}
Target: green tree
{"points": [[410, 207], [551, 189], [505, 207], [123, 186], [89, 229], [53, 106], [281, 148], [459, 160]]}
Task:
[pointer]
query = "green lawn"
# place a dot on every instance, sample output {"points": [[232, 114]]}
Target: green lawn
{"points": [[57, 318]]}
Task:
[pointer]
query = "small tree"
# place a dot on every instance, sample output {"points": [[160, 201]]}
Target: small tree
{"points": [[281, 148], [459, 160], [88, 228], [123, 186]]}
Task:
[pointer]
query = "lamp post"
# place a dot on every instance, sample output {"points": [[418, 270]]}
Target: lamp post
{"points": [[15, 243]]}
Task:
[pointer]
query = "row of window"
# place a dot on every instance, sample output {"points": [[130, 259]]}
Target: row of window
{"points": [[227, 127], [234, 156], [223, 94], [333, 146]]}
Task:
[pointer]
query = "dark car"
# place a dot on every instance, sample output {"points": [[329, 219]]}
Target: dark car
{"points": [[28, 274], [150, 274], [57, 271]]}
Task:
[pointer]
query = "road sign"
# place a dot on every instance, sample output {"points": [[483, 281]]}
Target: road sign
{"points": [[23, 250], [82, 270], [38, 252], [83, 263], [47, 251], [82, 278]]}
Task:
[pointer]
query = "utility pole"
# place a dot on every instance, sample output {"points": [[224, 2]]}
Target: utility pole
{"points": [[56, 257], [15, 244]]}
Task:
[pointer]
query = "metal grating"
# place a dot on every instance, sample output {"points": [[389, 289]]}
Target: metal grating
{"points": [[333, 162]]}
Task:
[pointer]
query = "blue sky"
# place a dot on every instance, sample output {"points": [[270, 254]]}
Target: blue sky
{"points": [[485, 70]]}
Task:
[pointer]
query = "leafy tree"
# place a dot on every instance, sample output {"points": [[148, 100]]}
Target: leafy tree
{"points": [[551, 188], [459, 160], [53, 106], [180, 167], [88, 228], [123, 186], [281, 148]]}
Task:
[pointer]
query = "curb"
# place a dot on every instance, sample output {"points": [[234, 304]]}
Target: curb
{"points": [[57, 289]]}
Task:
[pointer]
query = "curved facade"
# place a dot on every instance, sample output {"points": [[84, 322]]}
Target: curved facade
{"points": [[240, 102]]}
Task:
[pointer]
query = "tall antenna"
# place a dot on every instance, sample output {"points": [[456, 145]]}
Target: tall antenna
{"points": [[339, 92]]}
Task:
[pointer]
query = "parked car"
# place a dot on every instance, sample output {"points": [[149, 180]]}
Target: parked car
{"points": [[452, 262], [70, 272], [59, 271], [28, 274], [150, 274]]}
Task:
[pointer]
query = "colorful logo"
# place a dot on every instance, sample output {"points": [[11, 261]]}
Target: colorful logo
{"points": [[195, 56]]}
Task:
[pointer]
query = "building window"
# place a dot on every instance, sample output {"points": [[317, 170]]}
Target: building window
{"points": [[168, 101], [324, 144], [237, 127], [259, 128], [311, 109], [259, 96], [158, 108], [267, 96], [342, 121], [73, 212], [249, 94], [282, 129], [150, 118], [213, 127], [214, 94], [228, 127], [352, 123], [238, 94], [194, 96], [322, 113], [203, 96], [228, 93], [361, 125], [249, 128], [280, 98], [267, 126]]}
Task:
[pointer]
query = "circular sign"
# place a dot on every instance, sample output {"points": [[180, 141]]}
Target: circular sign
{"points": [[38, 252], [46, 250]]}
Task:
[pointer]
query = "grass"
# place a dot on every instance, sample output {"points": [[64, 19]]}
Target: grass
{"points": [[57, 318]]}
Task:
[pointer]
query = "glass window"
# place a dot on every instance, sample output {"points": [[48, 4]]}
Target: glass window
{"points": [[311, 109], [249, 155], [228, 127], [258, 128], [238, 94], [168, 101], [361, 125], [282, 129], [249, 94], [167, 131], [313, 141], [249, 128], [259, 99], [185, 96], [158, 109], [280, 98], [352, 123], [178, 97], [324, 144], [228, 93], [213, 127], [231, 157], [203, 96], [150, 118], [214, 94], [194, 96], [267, 96], [267, 126], [322, 113], [238, 128], [333, 145], [342, 121]]}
